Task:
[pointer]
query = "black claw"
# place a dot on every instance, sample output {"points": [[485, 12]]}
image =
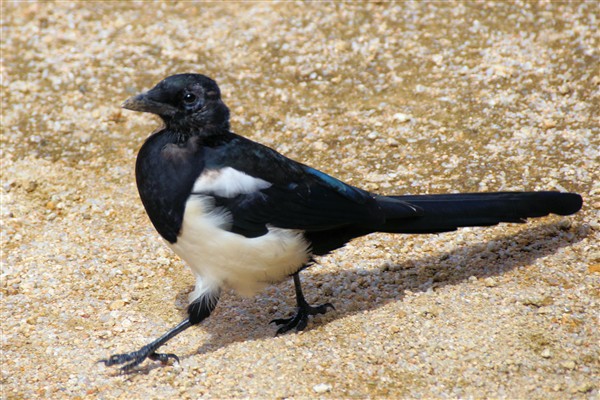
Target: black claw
{"points": [[303, 310], [118, 359], [302, 324], [281, 321], [300, 319], [322, 309], [163, 357], [135, 358]]}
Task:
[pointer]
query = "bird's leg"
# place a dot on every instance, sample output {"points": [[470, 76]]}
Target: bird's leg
{"points": [[135, 358], [303, 311], [198, 310]]}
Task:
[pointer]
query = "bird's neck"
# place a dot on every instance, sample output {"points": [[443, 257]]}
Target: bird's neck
{"points": [[211, 121]]}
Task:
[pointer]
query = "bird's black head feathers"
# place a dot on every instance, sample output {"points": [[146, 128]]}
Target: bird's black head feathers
{"points": [[187, 103]]}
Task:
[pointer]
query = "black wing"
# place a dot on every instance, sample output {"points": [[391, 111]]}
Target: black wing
{"points": [[316, 202], [298, 197]]}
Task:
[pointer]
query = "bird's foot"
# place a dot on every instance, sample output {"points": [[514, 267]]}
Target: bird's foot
{"points": [[135, 358], [300, 319]]}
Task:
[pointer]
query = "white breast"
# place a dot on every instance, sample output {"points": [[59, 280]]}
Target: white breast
{"points": [[221, 258]]}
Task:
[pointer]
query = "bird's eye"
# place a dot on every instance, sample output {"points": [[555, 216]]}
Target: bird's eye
{"points": [[189, 98]]}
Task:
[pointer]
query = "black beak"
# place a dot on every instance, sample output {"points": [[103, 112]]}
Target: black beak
{"points": [[148, 102]]}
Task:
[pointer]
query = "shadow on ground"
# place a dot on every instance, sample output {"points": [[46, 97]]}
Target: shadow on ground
{"points": [[508, 252]]}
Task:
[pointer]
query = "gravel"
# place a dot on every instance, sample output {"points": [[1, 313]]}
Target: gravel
{"points": [[399, 98]]}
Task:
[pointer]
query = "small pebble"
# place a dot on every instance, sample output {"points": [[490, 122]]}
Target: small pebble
{"points": [[490, 282], [594, 268], [31, 186], [546, 353], [322, 388], [537, 301], [115, 305], [400, 117], [582, 388]]}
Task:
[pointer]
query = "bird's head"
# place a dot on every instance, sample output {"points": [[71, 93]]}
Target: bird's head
{"points": [[187, 103]]}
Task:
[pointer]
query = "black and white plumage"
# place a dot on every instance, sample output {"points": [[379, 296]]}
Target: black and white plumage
{"points": [[242, 215]]}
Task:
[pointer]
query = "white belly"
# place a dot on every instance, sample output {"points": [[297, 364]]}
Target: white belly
{"points": [[221, 258]]}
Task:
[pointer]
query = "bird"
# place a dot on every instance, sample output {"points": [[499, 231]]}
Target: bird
{"points": [[243, 216]]}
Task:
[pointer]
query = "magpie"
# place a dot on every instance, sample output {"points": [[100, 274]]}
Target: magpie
{"points": [[243, 216]]}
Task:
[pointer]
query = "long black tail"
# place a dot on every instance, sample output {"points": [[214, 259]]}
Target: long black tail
{"points": [[447, 212]]}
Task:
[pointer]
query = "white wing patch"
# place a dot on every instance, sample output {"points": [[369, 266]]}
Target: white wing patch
{"points": [[227, 182]]}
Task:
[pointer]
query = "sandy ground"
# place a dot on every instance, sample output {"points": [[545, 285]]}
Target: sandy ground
{"points": [[396, 98]]}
